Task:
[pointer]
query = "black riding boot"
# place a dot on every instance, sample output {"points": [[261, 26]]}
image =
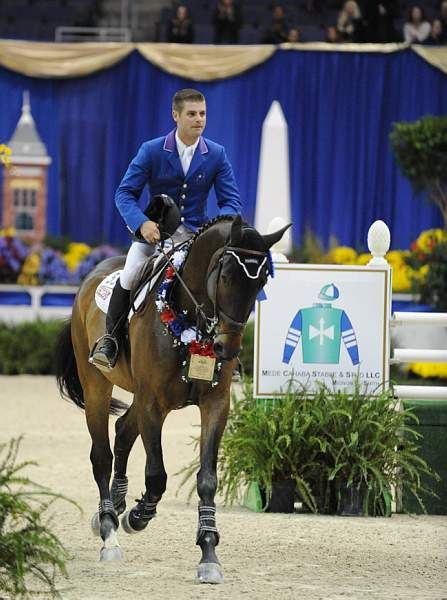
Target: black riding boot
{"points": [[106, 351]]}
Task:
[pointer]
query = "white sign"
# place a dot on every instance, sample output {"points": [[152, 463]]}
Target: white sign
{"points": [[322, 323]]}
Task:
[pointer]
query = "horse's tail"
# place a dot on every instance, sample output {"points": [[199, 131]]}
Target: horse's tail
{"points": [[67, 376]]}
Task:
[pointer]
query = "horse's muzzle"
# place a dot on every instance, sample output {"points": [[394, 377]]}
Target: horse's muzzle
{"points": [[227, 346]]}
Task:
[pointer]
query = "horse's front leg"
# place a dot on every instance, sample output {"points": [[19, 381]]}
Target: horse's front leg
{"points": [[214, 413], [126, 428], [150, 423]]}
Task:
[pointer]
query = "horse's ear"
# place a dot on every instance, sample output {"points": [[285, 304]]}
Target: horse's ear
{"points": [[236, 231], [271, 238]]}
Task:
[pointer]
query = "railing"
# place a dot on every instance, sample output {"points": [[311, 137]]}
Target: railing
{"points": [[92, 34], [409, 355], [26, 303]]}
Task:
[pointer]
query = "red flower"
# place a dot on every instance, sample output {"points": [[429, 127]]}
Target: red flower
{"points": [[169, 273], [202, 349], [167, 316]]}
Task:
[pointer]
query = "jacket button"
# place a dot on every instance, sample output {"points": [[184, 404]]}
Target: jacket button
{"points": [[182, 207], [182, 219], [183, 196], [185, 185]]}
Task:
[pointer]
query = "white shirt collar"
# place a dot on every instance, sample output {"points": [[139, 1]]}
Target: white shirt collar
{"points": [[181, 146]]}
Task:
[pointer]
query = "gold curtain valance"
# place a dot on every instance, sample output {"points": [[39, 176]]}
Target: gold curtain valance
{"points": [[205, 62], [191, 61], [39, 59]]}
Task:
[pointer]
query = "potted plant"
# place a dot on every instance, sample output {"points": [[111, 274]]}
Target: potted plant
{"points": [[420, 149], [340, 453]]}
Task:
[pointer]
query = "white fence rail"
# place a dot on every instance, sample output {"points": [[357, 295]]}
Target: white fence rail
{"points": [[410, 355], [20, 303]]}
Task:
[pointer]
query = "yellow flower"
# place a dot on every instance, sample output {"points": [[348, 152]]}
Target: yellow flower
{"points": [[342, 255], [396, 258], [363, 259], [402, 278], [77, 251], [30, 270], [5, 154], [7, 232], [429, 238], [429, 370]]}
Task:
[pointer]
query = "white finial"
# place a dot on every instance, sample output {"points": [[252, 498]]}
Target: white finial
{"points": [[378, 243], [26, 109], [282, 245]]}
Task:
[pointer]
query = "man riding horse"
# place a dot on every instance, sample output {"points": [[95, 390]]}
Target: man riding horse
{"points": [[182, 166]]}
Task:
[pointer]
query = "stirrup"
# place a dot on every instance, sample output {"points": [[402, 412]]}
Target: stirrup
{"points": [[99, 358]]}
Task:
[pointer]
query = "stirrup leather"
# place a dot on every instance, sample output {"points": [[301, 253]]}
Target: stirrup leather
{"points": [[99, 358]]}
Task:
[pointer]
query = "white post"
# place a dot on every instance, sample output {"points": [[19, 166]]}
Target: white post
{"points": [[273, 195], [378, 243]]}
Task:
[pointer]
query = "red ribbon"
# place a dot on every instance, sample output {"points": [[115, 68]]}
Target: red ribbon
{"points": [[169, 273], [167, 316], [201, 349]]}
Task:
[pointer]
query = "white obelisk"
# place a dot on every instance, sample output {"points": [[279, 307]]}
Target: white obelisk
{"points": [[273, 194]]}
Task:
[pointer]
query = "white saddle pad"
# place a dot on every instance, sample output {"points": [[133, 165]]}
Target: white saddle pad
{"points": [[105, 289]]}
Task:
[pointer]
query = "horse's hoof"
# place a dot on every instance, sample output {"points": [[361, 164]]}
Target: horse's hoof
{"points": [[111, 554], [95, 524], [209, 573], [126, 525]]}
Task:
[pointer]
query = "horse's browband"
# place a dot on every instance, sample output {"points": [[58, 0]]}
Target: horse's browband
{"points": [[244, 251]]}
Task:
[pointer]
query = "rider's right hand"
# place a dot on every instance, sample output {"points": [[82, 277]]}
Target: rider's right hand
{"points": [[149, 230]]}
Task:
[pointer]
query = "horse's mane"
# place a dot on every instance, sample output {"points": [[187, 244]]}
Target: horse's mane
{"points": [[210, 223], [146, 269]]}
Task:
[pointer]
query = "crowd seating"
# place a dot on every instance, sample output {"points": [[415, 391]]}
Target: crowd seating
{"points": [[147, 19]]}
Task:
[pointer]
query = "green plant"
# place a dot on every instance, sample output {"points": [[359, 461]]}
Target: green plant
{"points": [[30, 554], [326, 442], [420, 149], [246, 354], [434, 288], [28, 347], [369, 444]]}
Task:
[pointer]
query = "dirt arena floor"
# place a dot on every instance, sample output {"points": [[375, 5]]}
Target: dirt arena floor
{"points": [[264, 556]]}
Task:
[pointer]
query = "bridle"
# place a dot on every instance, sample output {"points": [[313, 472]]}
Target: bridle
{"points": [[244, 258]]}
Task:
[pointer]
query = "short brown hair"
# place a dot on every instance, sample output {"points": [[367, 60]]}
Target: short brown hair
{"points": [[186, 95]]}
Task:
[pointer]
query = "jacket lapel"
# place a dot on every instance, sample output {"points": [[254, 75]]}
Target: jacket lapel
{"points": [[170, 147], [199, 157]]}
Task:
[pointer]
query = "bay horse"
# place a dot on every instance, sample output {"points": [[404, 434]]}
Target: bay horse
{"points": [[226, 266]]}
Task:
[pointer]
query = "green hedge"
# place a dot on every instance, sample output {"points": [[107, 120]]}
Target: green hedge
{"points": [[28, 347]]}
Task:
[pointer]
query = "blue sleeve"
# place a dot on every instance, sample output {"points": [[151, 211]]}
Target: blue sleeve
{"points": [[293, 337], [130, 188], [349, 339], [227, 193]]}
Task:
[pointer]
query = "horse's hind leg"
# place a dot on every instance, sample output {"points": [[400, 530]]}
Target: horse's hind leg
{"points": [[97, 394], [126, 429], [150, 421]]}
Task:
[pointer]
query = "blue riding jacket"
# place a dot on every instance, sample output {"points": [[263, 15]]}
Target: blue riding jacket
{"points": [[158, 165]]}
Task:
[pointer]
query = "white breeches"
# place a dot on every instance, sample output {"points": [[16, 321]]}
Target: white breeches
{"points": [[140, 251]]}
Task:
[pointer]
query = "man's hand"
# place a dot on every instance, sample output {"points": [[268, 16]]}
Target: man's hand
{"points": [[149, 230]]}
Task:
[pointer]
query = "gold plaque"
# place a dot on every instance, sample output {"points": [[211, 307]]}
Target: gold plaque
{"points": [[201, 367]]}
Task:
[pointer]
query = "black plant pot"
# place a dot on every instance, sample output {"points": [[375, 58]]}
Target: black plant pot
{"points": [[283, 496], [351, 500]]}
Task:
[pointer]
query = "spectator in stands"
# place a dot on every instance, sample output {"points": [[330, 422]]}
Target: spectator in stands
{"points": [[443, 14], [379, 18], [350, 23], [180, 28], [332, 35], [227, 21], [437, 35], [277, 32], [416, 28], [294, 35]]}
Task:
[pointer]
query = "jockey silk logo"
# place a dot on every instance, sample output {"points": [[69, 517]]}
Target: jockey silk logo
{"points": [[321, 328]]}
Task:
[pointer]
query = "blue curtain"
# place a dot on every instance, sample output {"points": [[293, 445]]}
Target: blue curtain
{"points": [[339, 107]]}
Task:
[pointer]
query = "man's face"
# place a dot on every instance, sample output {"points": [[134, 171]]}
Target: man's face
{"points": [[190, 121]]}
